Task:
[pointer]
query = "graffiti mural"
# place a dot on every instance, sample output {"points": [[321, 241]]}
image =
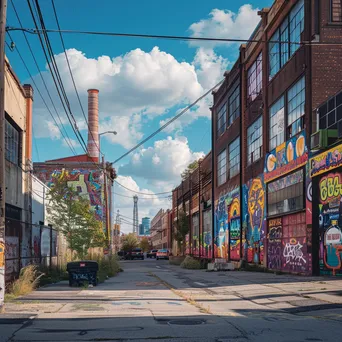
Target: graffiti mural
{"points": [[286, 157], [274, 247], [89, 183], [330, 222], [287, 244], [254, 218], [227, 226]]}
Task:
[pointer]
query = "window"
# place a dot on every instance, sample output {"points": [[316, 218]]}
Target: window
{"points": [[221, 119], [286, 194], [330, 113], [277, 129], [254, 79], [296, 108], [195, 226], [254, 141], [234, 158], [222, 168], [285, 41], [11, 143], [234, 105], [207, 222], [336, 10]]}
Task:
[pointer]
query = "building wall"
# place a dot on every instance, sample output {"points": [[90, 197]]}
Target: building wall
{"points": [[86, 178], [246, 225], [18, 109]]}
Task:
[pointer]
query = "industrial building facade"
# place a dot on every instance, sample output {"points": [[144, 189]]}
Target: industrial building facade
{"points": [[278, 107]]}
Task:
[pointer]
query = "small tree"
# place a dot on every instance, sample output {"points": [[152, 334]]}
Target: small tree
{"points": [[72, 215], [181, 230], [145, 244], [129, 242], [190, 168]]}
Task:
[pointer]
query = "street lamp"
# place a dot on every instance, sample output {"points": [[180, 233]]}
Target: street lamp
{"points": [[110, 228], [107, 132]]}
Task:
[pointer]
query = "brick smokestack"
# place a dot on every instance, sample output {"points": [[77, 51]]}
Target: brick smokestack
{"points": [[93, 123]]}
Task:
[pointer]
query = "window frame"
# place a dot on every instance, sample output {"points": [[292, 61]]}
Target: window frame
{"points": [[302, 170], [236, 100], [224, 151], [250, 159], [331, 8], [220, 130], [254, 70], [300, 119], [291, 48], [283, 99], [11, 125], [236, 165]]}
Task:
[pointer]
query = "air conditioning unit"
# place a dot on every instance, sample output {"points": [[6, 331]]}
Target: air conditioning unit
{"points": [[323, 138]]}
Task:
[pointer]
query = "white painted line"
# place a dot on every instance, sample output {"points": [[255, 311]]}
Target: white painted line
{"points": [[158, 266], [201, 284]]}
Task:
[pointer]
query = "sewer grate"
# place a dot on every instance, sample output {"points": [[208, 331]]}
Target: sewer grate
{"points": [[186, 322]]}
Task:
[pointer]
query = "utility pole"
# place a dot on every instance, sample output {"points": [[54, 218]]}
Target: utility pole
{"points": [[106, 200], [3, 10]]}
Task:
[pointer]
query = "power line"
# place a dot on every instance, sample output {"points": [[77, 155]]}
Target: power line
{"points": [[72, 76], [167, 37], [142, 193], [140, 198], [169, 122], [35, 143], [40, 94], [66, 136], [148, 36], [55, 75]]}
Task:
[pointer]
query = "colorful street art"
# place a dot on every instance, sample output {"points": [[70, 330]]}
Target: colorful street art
{"points": [[285, 158], [287, 244], [227, 226], [326, 161], [330, 222], [254, 218], [88, 182]]}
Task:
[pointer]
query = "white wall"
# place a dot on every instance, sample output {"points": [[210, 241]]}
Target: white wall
{"points": [[39, 201]]}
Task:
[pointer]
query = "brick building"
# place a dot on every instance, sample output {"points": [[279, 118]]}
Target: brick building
{"points": [[263, 116], [193, 196]]}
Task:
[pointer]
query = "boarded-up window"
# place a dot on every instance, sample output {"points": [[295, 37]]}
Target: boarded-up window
{"points": [[336, 10]]}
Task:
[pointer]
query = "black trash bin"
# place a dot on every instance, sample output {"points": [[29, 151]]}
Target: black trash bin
{"points": [[83, 271]]}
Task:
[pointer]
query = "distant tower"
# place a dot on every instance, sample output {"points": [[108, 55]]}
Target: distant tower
{"points": [[135, 216]]}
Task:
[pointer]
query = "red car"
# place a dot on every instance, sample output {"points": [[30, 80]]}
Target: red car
{"points": [[163, 254]]}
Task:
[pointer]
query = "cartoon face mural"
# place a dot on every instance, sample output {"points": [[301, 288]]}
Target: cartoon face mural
{"points": [[330, 222], [253, 218], [256, 207]]}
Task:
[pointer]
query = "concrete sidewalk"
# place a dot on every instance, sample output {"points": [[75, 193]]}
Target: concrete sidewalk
{"points": [[283, 292]]}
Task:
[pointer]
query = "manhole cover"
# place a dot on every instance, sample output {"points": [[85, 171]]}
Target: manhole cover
{"points": [[185, 322]]}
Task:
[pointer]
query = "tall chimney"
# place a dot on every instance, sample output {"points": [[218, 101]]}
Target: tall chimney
{"points": [[29, 101], [93, 124]]}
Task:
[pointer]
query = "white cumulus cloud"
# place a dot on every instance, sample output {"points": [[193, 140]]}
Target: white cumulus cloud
{"points": [[226, 24], [162, 163]]}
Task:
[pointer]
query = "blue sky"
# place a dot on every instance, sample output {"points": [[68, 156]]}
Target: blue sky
{"points": [[161, 78]]}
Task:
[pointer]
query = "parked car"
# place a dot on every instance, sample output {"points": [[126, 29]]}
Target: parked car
{"points": [[136, 253], [163, 254], [152, 254], [121, 254]]}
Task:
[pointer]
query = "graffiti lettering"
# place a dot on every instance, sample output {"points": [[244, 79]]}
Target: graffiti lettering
{"points": [[274, 256], [275, 233], [293, 253], [330, 187]]}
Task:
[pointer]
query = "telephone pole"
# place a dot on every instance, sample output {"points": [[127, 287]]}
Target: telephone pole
{"points": [[3, 10]]}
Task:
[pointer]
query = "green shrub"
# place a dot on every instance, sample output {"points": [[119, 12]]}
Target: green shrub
{"points": [[191, 263]]}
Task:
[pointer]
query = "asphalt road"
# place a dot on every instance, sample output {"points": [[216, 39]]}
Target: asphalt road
{"points": [[152, 301]]}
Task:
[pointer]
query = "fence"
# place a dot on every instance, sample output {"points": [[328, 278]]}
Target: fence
{"points": [[27, 243]]}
